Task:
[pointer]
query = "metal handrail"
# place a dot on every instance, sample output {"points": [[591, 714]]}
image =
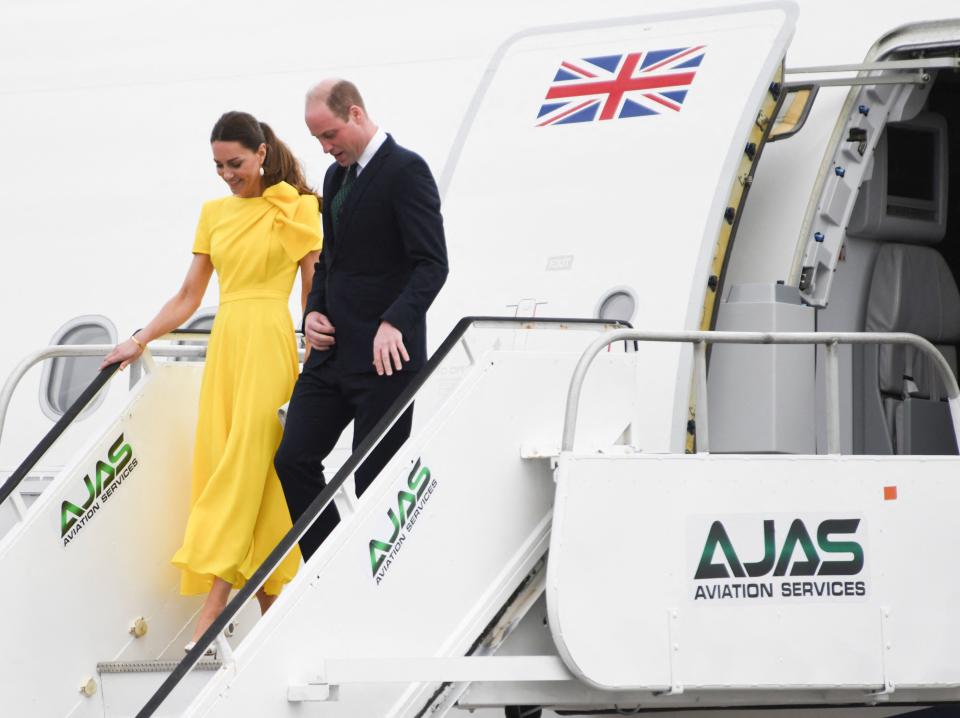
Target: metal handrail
{"points": [[185, 335], [77, 350], [326, 496], [74, 410], [701, 339], [13, 481], [927, 63]]}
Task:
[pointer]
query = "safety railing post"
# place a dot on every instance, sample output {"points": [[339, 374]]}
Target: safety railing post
{"points": [[954, 403], [832, 382], [700, 338], [19, 506], [466, 349]]}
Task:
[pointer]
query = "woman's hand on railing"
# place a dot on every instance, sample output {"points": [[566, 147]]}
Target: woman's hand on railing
{"points": [[125, 352]]}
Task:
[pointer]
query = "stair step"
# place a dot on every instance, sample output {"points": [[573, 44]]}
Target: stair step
{"points": [[159, 666], [127, 685]]}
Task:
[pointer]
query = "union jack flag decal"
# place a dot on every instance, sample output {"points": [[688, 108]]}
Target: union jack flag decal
{"points": [[618, 86]]}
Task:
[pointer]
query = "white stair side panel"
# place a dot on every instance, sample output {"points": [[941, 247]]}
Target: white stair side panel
{"points": [[485, 522], [23, 497], [124, 686], [532, 637], [627, 610], [75, 602]]}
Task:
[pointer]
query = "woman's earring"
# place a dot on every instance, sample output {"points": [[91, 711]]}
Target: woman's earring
{"points": [[261, 170]]}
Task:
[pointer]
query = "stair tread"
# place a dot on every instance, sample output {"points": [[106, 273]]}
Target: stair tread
{"points": [[154, 666]]}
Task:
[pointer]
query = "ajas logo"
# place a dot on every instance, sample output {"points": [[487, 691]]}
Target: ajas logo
{"points": [[828, 548], [108, 476], [411, 502]]}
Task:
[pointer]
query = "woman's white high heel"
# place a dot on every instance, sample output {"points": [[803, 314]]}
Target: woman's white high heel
{"points": [[211, 651]]}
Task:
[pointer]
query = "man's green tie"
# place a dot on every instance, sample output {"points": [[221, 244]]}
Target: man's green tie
{"points": [[341, 196]]}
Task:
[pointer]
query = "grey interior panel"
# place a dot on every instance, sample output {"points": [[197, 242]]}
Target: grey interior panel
{"points": [[762, 397]]}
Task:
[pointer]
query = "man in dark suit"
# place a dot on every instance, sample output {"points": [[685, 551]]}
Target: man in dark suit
{"points": [[384, 259]]}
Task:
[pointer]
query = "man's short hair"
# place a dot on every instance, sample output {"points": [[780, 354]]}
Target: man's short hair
{"points": [[343, 95]]}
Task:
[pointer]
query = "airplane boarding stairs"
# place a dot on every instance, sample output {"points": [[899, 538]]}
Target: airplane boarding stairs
{"points": [[439, 543], [435, 591]]}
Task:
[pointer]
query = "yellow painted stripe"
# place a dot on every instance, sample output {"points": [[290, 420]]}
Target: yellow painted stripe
{"points": [[738, 194]]}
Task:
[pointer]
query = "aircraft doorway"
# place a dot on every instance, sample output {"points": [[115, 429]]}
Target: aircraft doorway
{"points": [[878, 251], [897, 262]]}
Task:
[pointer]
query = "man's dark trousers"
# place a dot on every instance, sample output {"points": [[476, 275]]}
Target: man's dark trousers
{"points": [[325, 400], [383, 261]]}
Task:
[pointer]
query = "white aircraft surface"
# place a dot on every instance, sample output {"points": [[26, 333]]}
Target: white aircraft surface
{"points": [[725, 531]]}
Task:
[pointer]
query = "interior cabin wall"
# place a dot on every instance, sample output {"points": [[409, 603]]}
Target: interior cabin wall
{"points": [[945, 100], [847, 307], [773, 213], [767, 228]]}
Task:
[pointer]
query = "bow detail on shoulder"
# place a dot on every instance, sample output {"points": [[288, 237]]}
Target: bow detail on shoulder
{"points": [[298, 234]]}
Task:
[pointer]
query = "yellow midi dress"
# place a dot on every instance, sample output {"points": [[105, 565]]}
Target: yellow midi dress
{"points": [[237, 509]]}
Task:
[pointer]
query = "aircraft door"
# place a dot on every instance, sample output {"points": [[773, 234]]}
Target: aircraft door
{"points": [[600, 160]]}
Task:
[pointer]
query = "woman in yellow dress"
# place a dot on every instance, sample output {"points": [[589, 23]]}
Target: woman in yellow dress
{"points": [[255, 239]]}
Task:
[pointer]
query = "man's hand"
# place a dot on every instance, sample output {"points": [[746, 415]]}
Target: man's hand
{"points": [[388, 349], [319, 331]]}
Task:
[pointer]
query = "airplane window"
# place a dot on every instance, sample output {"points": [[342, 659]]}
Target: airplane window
{"points": [[617, 304], [65, 378], [201, 321], [792, 111]]}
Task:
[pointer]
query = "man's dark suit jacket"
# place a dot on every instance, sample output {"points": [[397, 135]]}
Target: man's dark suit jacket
{"points": [[386, 261]]}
